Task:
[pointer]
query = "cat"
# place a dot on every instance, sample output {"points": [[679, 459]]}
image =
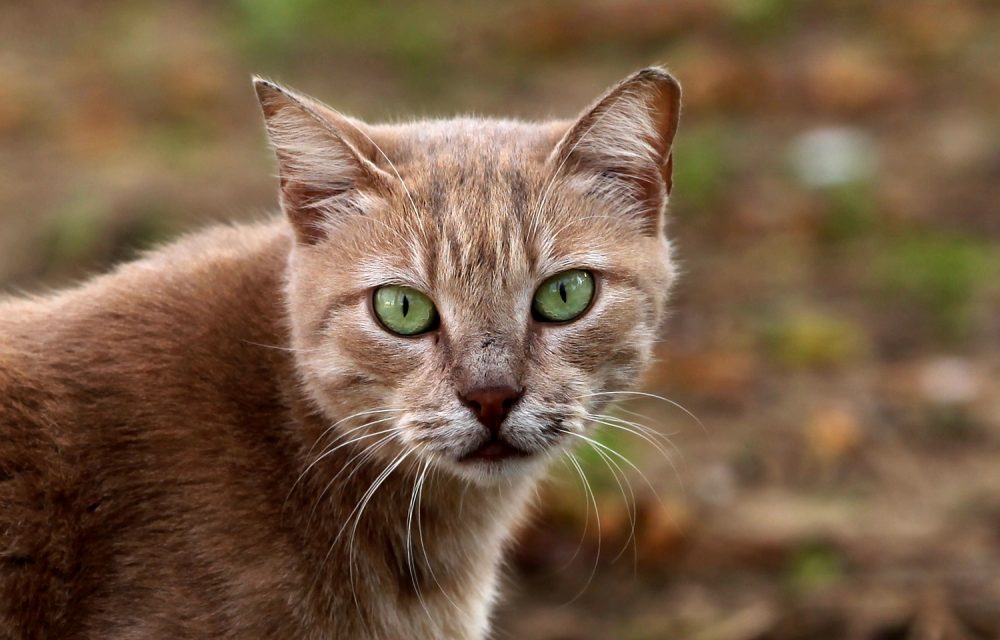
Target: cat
{"points": [[327, 424]]}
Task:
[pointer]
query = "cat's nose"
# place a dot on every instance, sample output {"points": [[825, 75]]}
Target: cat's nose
{"points": [[491, 405]]}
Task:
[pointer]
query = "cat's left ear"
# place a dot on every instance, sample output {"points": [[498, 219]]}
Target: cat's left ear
{"points": [[324, 161], [620, 149]]}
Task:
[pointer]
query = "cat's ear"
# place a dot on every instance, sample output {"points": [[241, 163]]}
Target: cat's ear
{"points": [[620, 148], [323, 161]]}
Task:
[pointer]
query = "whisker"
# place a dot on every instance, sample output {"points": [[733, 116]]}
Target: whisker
{"points": [[357, 520], [362, 457], [665, 455], [388, 469], [278, 347], [630, 505], [646, 433], [647, 395], [586, 516], [655, 437], [637, 429], [343, 420], [430, 567], [649, 430], [417, 489], [620, 457], [330, 451], [363, 503], [597, 516]]}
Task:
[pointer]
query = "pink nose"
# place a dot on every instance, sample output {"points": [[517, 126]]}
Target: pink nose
{"points": [[491, 405]]}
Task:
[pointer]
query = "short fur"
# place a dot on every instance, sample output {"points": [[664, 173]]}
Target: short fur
{"points": [[219, 441]]}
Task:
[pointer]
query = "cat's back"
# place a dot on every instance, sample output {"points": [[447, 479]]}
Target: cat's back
{"points": [[138, 333]]}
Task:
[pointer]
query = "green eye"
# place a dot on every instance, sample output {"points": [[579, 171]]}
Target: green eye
{"points": [[404, 310], [564, 296]]}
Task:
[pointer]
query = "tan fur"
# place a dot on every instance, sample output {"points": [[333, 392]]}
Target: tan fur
{"points": [[186, 442]]}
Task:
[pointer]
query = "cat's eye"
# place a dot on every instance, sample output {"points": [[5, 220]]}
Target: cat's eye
{"points": [[404, 310], [564, 296]]}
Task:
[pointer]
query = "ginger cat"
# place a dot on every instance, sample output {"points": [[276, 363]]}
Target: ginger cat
{"points": [[326, 426]]}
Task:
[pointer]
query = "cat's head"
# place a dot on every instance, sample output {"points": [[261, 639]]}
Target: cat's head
{"points": [[474, 289]]}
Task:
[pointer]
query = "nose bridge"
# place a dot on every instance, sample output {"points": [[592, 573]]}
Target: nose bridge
{"points": [[488, 359]]}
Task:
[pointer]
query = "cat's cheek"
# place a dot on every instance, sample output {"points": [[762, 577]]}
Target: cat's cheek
{"points": [[608, 350], [607, 333], [385, 356]]}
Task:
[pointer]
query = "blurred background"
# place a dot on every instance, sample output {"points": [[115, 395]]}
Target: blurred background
{"points": [[837, 331]]}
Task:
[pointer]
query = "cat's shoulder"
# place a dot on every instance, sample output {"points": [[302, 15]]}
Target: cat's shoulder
{"points": [[35, 506], [26, 398]]}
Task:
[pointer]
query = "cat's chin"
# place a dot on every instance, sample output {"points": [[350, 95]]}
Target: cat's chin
{"points": [[488, 467]]}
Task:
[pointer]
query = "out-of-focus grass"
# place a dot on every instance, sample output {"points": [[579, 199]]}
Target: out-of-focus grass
{"points": [[761, 19], [814, 566], [850, 212], [81, 237], [941, 275], [804, 337], [411, 35], [75, 232], [700, 168]]}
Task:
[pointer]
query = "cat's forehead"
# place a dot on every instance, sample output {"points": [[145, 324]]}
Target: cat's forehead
{"points": [[474, 187], [476, 220], [482, 159]]}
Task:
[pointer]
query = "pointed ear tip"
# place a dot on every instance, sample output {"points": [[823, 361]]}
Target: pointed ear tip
{"points": [[263, 88], [660, 76], [268, 90]]}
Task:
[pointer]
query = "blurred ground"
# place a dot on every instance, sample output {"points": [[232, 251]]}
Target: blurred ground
{"points": [[836, 208]]}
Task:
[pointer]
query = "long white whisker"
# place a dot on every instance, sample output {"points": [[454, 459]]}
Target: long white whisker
{"points": [[278, 347], [374, 486], [635, 429], [343, 420], [638, 429], [430, 567], [645, 434], [620, 457], [418, 487], [647, 429], [359, 509], [362, 457], [586, 514], [647, 395], [330, 451], [357, 520], [630, 504], [597, 516]]}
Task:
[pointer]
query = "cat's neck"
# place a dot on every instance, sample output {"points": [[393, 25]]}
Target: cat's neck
{"points": [[411, 537]]}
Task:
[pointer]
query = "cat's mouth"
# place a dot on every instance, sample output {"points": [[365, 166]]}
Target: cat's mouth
{"points": [[494, 451]]}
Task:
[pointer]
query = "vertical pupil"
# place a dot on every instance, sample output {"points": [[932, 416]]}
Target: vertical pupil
{"points": [[562, 291], [406, 305]]}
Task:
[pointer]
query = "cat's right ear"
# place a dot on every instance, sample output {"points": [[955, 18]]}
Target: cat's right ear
{"points": [[323, 161], [620, 149]]}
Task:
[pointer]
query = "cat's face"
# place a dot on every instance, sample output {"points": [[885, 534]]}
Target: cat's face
{"points": [[475, 289]]}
